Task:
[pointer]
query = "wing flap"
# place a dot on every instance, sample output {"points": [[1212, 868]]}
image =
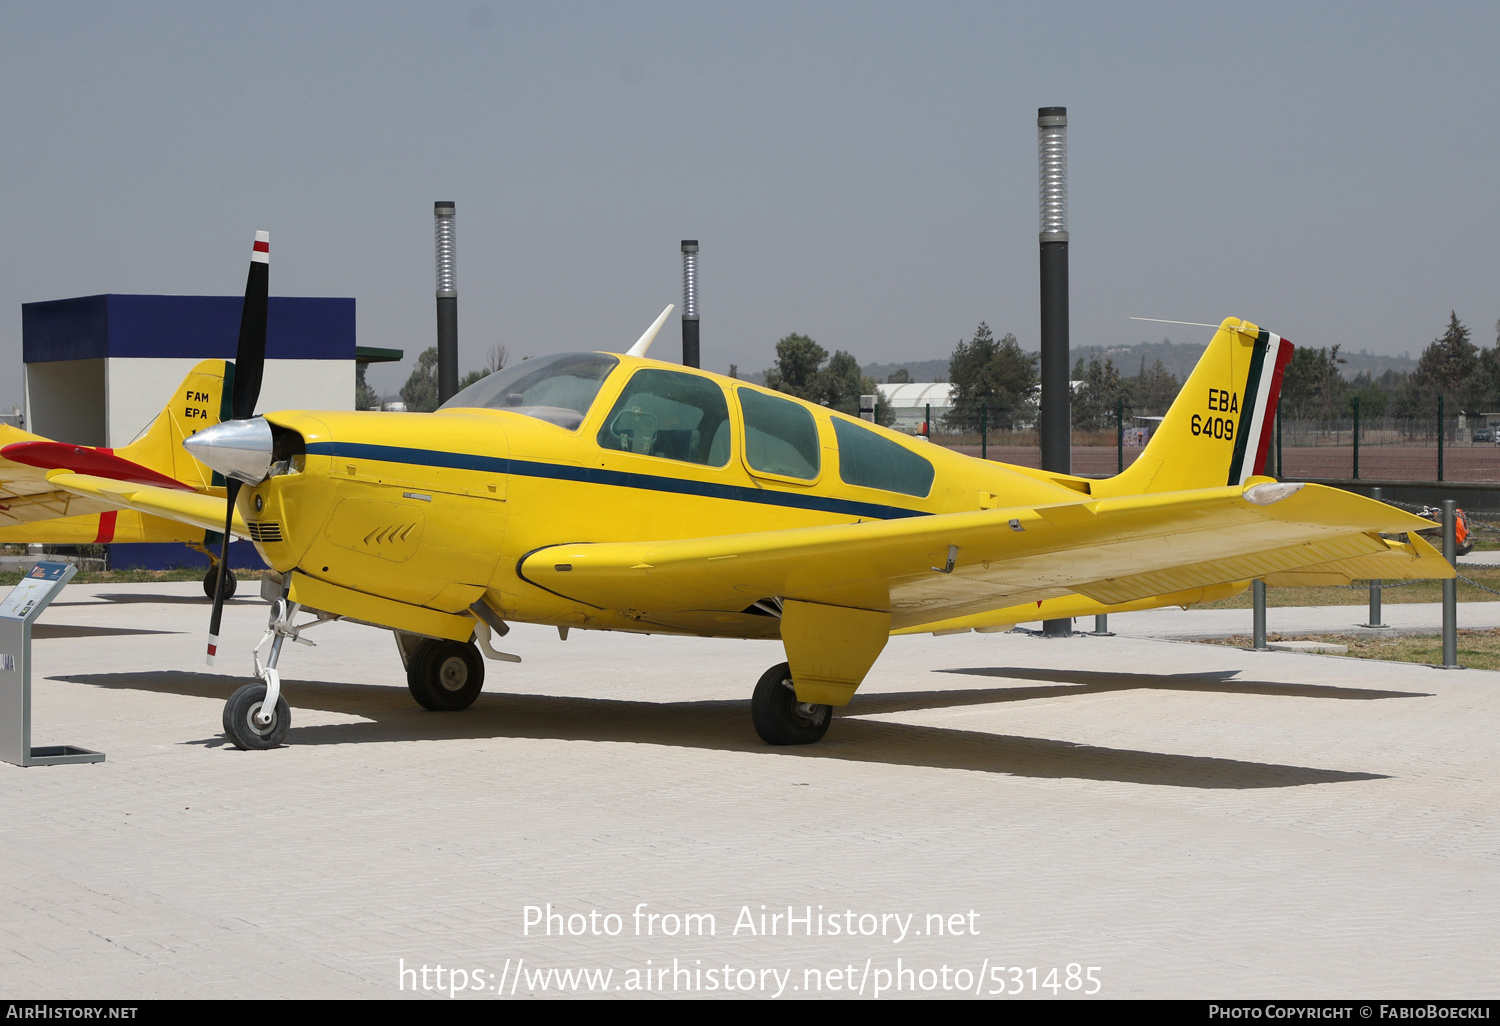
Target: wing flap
{"points": [[1110, 550], [1412, 560], [195, 508]]}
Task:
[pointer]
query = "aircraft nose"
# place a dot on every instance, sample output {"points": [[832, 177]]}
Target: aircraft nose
{"points": [[240, 449]]}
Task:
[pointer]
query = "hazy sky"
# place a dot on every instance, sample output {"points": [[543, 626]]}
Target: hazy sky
{"points": [[864, 173]]}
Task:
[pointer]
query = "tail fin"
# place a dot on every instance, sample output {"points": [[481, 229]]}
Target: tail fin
{"points": [[1219, 428], [199, 402]]}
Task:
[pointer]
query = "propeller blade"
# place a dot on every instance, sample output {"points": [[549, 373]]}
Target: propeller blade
{"points": [[250, 354], [249, 365], [232, 493]]}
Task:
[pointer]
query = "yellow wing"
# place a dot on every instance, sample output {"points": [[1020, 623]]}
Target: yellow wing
{"points": [[1110, 552], [195, 508]]}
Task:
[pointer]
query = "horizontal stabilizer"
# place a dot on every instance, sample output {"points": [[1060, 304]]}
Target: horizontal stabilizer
{"points": [[195, 508]]}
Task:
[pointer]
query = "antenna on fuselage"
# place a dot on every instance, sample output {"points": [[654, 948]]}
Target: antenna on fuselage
{"points": [[644, 342]]}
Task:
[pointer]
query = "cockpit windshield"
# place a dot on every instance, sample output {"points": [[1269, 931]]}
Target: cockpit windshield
{"points": [[558, 389]]}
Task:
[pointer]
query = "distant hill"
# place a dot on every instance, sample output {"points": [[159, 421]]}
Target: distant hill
{"points": [[920, 370], [1375, 363], [1180, 358]]}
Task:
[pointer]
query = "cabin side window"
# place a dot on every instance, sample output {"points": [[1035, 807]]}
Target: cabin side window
{"points": [[672, 416], [780, 436], [873, 461]]}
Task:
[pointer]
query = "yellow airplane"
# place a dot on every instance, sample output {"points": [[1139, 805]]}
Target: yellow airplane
{"points": [[599, 490], [32, 510]]}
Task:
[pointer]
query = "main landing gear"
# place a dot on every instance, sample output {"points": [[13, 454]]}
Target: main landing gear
{"points": [[779, 718], [445, 676], [227, 584]]}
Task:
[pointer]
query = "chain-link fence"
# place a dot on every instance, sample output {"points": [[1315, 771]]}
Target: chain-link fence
{"points": [[1439, 446], [1103, 444], [1308, 442]]}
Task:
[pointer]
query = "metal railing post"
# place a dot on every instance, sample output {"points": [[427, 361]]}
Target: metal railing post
{"points": [[1356, 438], [1280, 465], [1375, 585], [1440, 438], [1119, 436], [1258, 590], [1450, 586]]}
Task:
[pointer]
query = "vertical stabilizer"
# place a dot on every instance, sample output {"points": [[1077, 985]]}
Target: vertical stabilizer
{"points": [[1219, 429], [199, 402]]}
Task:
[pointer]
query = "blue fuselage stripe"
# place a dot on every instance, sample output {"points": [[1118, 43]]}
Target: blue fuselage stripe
{"points": [[615, 478]]}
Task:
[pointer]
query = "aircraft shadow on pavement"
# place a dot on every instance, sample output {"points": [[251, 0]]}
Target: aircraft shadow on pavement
{"points": [[46, 631], [1093, 682], [136, 598], [391, 715]]}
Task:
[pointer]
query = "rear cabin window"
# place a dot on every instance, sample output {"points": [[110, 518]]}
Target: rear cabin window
{"points": [[672, 416], [871, 461], [780, 436]]}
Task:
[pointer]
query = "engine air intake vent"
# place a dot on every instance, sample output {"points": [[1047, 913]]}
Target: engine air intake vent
{"points": [[264, 530]]}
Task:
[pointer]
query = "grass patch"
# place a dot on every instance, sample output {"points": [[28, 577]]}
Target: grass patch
{"points": [[1477, 650]]}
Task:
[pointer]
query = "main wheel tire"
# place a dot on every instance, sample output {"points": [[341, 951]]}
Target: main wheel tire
{"points": [[779, 718], [239, 723], [445, 676], [229, 584]]}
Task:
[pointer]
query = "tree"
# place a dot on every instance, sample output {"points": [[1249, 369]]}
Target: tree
{"points": [[797, 361], [1448, 367], [983, 371], [1313, 387], [420, 393], [1094, 402], [1373, 399], [1153, 389], [898, 377], [799, 371], [364, 396]]}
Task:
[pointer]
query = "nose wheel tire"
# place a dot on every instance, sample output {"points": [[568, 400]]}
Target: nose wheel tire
{"points": [[241, 726], [228, 585], [445, 676], [779, 718]]}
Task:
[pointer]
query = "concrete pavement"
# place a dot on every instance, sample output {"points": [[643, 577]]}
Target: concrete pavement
{"points": [[1195, 821]]}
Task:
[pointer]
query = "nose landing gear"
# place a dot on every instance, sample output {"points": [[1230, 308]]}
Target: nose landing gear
{"points": [[256, 716], [242, 719]]}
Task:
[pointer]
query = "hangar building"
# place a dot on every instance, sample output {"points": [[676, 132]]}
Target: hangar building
{"points": [[99, 368]]}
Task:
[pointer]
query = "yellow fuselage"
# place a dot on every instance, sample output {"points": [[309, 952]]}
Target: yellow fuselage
{"points": [[437, 510]]}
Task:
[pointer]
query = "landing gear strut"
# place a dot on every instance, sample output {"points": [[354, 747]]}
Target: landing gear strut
{"points": [[779, 718], [256, 716]]}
